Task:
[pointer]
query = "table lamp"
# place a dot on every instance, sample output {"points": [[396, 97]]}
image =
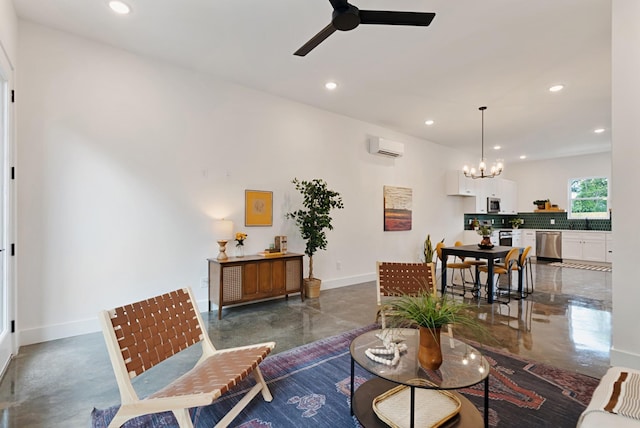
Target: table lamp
{"points": [[222, 231]]}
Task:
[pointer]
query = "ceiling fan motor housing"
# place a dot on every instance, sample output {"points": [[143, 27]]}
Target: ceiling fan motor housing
{"points": [[346, 19]]}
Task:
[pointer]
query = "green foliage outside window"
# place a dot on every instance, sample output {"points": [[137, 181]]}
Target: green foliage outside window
{"points": [[589, 198]]}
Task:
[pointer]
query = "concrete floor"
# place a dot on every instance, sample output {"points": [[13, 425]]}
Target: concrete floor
{"points": [[565, 323]]}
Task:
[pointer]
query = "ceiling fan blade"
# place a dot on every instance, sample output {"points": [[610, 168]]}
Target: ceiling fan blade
{"points": [[315, 40], [396, 17], [339, 4]]}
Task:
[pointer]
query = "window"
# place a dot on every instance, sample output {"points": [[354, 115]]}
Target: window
{"points": [[589, 198]]}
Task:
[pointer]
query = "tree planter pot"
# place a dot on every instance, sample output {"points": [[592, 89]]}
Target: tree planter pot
{"points": [[311, 287]]}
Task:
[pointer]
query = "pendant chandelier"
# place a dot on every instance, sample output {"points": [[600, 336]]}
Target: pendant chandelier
{"points": [[482, 172]]}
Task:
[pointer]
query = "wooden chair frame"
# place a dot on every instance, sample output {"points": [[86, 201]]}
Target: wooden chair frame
{"points": [[143, 334]]}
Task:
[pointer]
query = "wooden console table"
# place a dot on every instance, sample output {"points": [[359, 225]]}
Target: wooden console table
{"points": [[253, 277]]}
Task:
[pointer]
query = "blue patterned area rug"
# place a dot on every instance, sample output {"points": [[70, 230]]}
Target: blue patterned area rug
{"points": [[310, 385]]}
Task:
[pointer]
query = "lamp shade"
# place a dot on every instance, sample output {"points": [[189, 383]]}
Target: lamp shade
{"points": [[223, 229]]}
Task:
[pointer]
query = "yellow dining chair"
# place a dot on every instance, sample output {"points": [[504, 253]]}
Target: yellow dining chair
{"points": [[459, 266], [524, 265], [502, 269]]}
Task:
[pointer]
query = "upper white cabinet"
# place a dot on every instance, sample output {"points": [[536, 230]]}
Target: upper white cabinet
{"points": [[588, 246], [508, 194], [485, 188], [459, 185]]}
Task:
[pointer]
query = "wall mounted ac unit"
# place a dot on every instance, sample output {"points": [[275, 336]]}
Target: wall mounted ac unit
{"points": [[380, 146]]}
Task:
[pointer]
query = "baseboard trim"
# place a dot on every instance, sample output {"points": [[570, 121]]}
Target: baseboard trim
{"points": [[30, 336], [347, 280], [622, 358], [76, 328]]}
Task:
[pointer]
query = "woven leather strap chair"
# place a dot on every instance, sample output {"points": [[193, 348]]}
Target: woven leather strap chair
{"points": [[143, 334], [396, 279]]}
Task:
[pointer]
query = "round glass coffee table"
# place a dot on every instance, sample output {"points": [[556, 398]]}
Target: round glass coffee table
{"points": [[463, 366]]}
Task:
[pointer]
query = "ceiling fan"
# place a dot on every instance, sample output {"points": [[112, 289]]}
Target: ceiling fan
{"points": [[346, 17]]}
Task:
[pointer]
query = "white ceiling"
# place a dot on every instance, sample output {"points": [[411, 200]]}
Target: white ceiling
{"points": [[504, 54]]}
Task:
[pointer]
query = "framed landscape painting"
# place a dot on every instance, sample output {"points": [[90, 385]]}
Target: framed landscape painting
{"points": [[397, 208], [258, 208]]}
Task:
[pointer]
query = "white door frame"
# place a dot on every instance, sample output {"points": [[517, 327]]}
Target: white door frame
{"points": [[8, 192]]}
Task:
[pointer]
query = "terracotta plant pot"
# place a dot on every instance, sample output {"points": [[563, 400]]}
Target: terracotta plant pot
{"points": [[429, 352], [311, 287]]}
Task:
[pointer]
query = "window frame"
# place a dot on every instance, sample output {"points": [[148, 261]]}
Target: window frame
{"points": [[570, 213]]}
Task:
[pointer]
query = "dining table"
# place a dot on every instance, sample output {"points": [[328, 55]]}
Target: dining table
{"points": [[490, 254]]}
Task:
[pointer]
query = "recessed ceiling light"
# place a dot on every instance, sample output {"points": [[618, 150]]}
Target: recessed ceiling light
{"points": [[331, 85], [119, 7], [556, 88], [429, 122], [523, 156], [497, 147], [599, 130]]}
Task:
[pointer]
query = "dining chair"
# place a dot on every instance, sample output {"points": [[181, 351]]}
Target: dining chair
{"points": [[456, 266], [505, 268], [525, 264], [474, 263]]}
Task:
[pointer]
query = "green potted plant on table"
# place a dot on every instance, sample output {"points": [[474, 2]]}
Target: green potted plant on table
{"points": [[313, 220], [430, 313], [485, 232]]}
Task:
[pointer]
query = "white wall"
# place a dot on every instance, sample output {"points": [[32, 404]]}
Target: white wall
{"points": [[125, 161], [626, 176], [548, 179], [8, 30]]}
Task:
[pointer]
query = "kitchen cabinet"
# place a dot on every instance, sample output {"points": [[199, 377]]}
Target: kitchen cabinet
{"points": [[587, 246], [506, 190], [486, 188], [528, 239], [516, 238], [508, 193], [609, 248], [459, 185]]}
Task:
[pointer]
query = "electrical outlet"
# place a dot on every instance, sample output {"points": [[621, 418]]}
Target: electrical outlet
{"points": [[204, 282], [553, 221], [492, 221], [522, 221]]}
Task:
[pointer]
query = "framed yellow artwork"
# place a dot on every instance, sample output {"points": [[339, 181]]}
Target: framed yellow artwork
{"points": [[258, 208]]}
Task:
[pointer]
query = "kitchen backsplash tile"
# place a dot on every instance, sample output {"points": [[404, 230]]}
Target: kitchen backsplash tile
{"points": [[539, 221]]}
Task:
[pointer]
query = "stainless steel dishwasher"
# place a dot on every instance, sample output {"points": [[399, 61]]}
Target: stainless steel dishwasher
{"points": [[549, 245]]}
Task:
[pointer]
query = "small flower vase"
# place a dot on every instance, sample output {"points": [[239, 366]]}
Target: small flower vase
{"points": [[239, 250], [429, 352]]}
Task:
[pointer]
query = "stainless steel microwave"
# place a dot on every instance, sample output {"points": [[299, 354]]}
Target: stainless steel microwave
{"points": [[493, 205]]}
